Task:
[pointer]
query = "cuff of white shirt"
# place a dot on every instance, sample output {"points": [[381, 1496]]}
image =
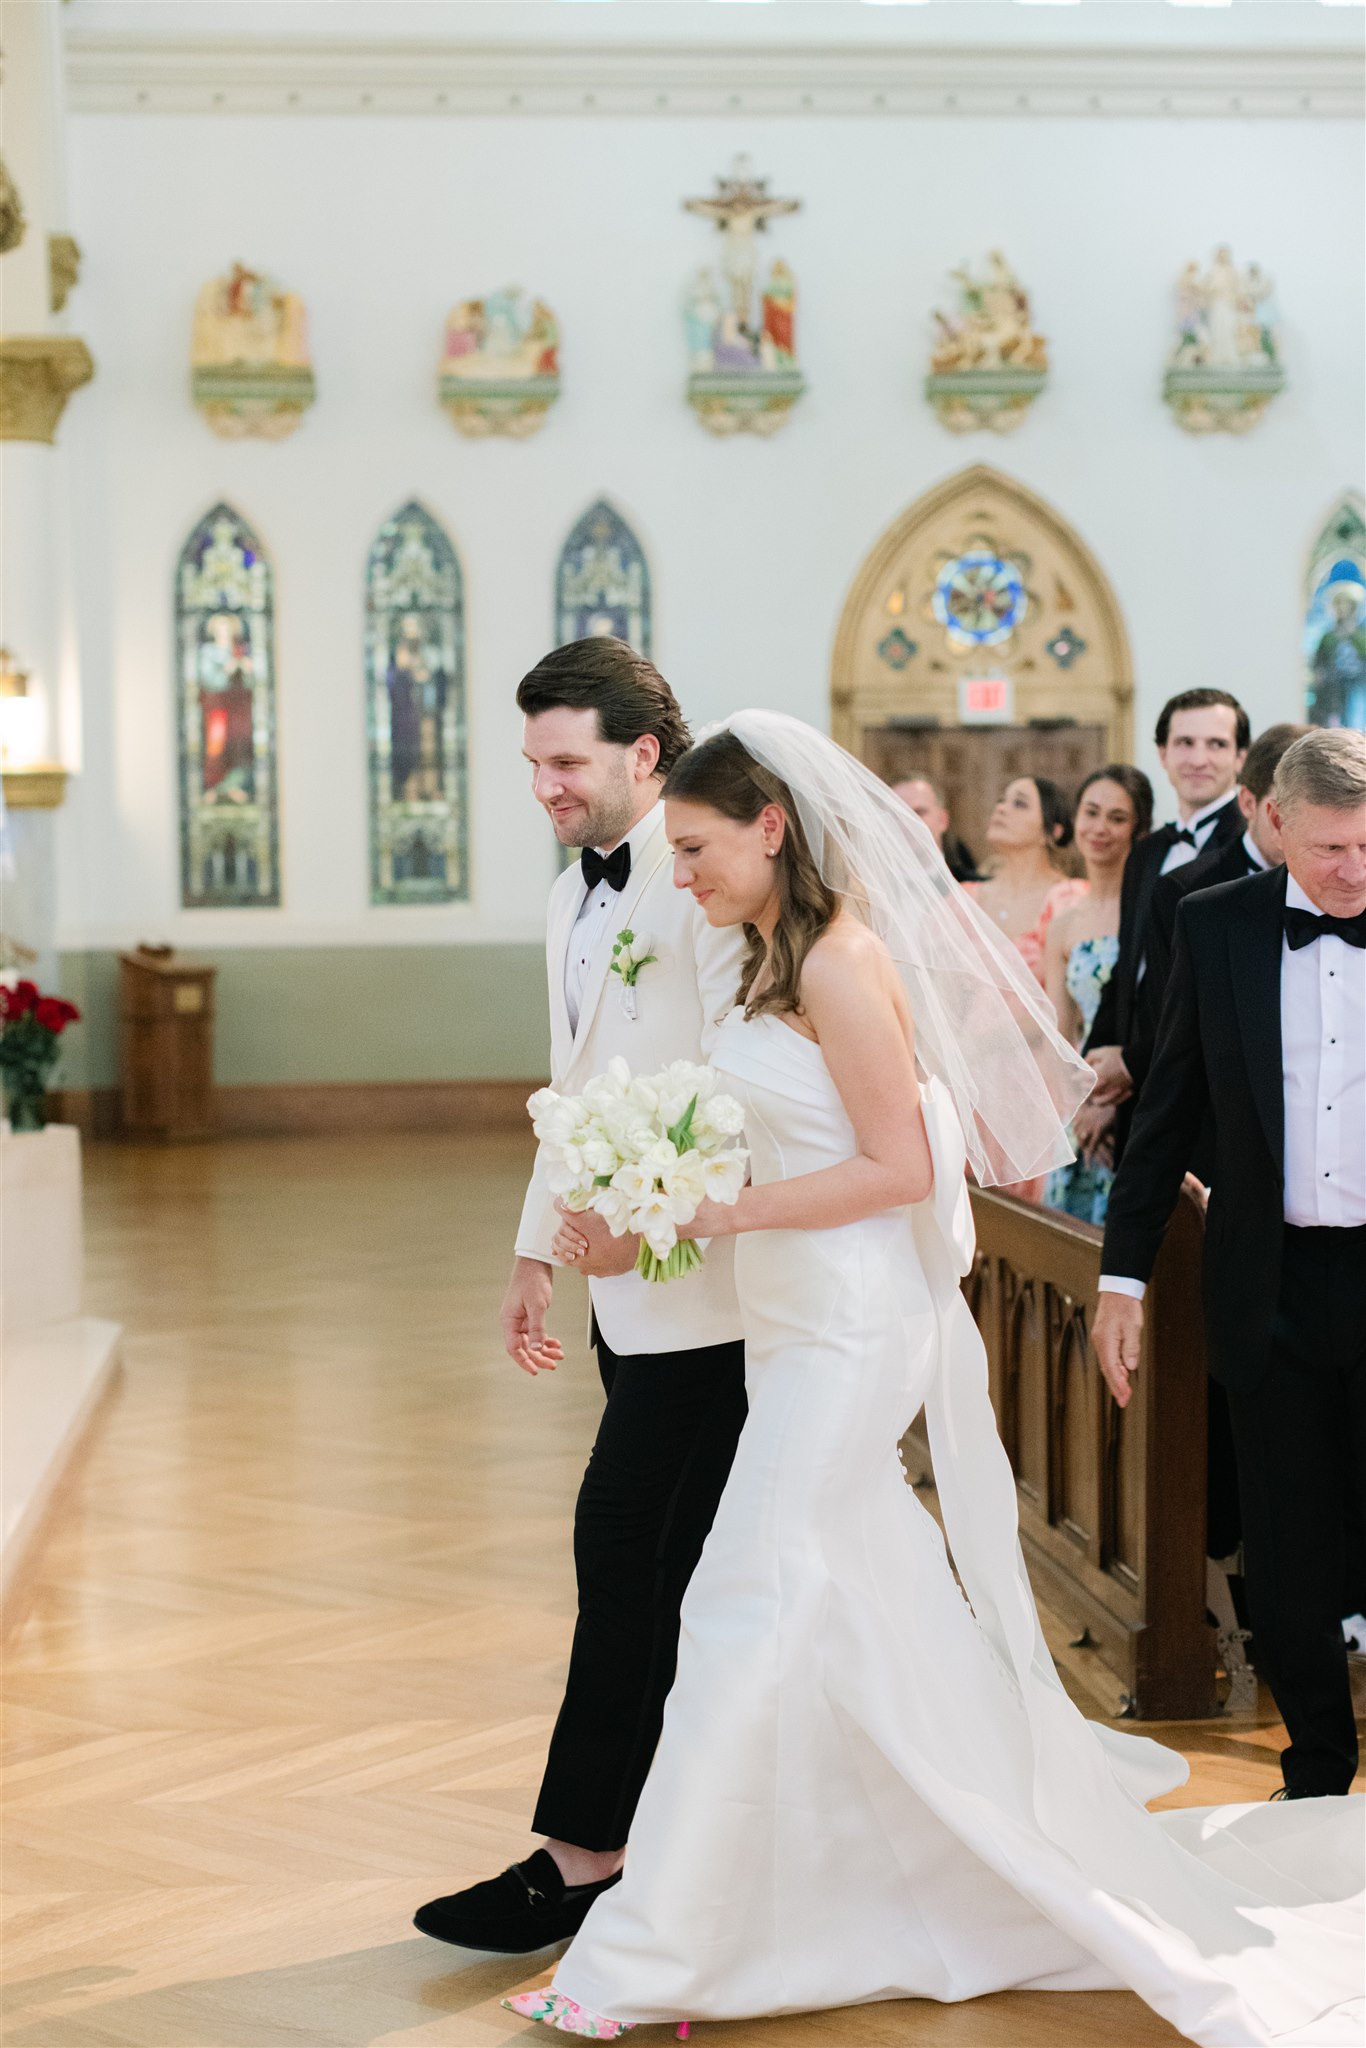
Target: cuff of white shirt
{"points": [[1136, 1289]]}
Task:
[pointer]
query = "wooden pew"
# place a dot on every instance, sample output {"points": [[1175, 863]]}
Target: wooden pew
{"points": [[1112, 1502]]}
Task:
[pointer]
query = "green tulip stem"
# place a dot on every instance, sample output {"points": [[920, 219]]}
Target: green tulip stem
{"points": [[684, 1258]]}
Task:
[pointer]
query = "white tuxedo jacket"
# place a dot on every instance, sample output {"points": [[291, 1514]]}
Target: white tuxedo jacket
{"points": [[680, 1000]]}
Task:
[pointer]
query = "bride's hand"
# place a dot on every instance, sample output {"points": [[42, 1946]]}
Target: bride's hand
{"points": [[713, 1219]]}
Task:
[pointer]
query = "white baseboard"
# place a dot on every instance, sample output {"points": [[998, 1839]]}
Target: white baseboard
{"points": [[52, 1381]]}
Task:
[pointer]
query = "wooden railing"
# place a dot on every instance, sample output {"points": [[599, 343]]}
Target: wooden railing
{"points": [[1112, 1502]]}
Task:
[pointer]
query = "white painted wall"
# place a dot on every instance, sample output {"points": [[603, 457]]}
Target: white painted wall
{"points": [[382, 222]]}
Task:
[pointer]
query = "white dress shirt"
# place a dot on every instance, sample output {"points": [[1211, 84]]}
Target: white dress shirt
{"points": [[591, 926], [1323, 1074], [1323, 1058]]}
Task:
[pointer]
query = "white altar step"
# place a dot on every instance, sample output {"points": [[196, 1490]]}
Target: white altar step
{"points": [[55, 1363]]}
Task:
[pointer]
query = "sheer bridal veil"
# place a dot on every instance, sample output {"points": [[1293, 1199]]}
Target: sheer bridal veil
{"points": [[983, 1025]]}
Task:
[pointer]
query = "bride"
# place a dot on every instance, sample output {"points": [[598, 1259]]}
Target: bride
{"points": [[870, 1782]]}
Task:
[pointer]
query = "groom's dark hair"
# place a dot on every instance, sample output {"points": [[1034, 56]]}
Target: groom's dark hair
{"points": [[628, 693]]}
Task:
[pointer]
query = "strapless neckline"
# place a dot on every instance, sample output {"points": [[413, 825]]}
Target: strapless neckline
{"points": [[768, 1017]]}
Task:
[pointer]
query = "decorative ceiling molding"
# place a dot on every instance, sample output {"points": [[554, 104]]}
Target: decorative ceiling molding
{"points": [[136, 74]]}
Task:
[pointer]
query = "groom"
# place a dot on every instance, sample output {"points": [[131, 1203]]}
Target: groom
{"points": [[601, 730]]}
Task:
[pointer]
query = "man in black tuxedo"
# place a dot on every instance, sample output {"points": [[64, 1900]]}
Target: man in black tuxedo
{"points": [[1202, 737], [1223, 860], [1263, 1031]]}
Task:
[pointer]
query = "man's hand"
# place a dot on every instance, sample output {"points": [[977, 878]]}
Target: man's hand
{"points": [[1117, 1338], [1196, 1188], [1094, 1128], [1114, 1083], [584, 1242], [522, 1318]]}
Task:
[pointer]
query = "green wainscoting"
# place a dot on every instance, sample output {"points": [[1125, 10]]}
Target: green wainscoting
{"points": [[346, 1013]]}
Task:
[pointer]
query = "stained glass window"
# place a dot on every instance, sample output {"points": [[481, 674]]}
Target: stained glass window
{"points": [[225, 667], [602, 585], [1335, 620], [415, 687], [979, 599]]}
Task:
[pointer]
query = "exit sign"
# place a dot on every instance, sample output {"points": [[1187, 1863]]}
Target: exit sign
{"points": [[986, 700]]}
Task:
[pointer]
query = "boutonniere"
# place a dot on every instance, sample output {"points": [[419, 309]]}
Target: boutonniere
{"points": [[629, 956]]}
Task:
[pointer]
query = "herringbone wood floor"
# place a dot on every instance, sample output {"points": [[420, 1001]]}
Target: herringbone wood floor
{"points": [[298, 1636]]}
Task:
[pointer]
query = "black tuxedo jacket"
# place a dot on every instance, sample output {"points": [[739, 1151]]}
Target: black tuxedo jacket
{"points": [[1226, 861], [1218, 1057], [1117, 1016]]}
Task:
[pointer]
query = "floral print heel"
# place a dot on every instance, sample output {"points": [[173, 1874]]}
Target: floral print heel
{"points": [[553, 2009]]}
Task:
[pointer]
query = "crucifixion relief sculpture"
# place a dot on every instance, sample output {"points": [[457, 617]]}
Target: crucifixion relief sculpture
{"points": [[741, 340]]}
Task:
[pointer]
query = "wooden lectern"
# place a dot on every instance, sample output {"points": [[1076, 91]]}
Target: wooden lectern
{"points": [[166, 1012]]}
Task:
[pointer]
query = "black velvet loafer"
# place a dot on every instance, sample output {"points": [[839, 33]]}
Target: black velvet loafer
{"points": [[529, 1907]]}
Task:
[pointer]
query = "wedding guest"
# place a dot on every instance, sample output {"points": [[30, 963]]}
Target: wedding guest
{"points": [[1233, 860], [1202, 736], [1114, 812], [1226, 861], [1263, 1030], [1025, 887], [921, 796]]}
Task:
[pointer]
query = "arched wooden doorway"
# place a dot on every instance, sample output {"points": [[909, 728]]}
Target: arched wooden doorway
{"points": [[981, 641]]}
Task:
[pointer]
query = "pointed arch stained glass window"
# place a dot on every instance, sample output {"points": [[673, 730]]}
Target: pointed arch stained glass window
{"points": [[415, 689], [225, 717], [1335, 620], [602, 584]]}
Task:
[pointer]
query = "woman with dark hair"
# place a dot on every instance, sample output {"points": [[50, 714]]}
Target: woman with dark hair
{"points": [[1025, 887], [870, 1783], [1081, 946]]}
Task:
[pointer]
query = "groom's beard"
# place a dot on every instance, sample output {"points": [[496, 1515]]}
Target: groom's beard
{"points": [[605, 821]]}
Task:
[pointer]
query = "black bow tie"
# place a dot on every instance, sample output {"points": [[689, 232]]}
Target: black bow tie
{"points": [[1181, 835], [612, 868], [1302, 927]]}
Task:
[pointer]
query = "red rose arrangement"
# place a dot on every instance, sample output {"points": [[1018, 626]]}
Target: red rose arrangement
{"points": [[31, 1025]]}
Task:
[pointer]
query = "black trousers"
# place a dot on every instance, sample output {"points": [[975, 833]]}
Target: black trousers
{"points": [[1300, 1437], [656, 1473]]}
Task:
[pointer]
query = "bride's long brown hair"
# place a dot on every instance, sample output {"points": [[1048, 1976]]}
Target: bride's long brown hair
{"points": [[725, 776]]}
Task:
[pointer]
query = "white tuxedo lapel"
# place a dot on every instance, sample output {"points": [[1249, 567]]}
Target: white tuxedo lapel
{"points": [[564, 906], [654, 851]]}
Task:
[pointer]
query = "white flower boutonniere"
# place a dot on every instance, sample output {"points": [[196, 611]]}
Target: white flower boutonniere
{"points": [[629, 955]]}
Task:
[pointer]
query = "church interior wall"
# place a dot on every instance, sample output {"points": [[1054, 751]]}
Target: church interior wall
{"points": [[381, 223]]}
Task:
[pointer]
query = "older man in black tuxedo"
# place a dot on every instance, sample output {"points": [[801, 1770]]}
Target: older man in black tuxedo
{"points": [[1263, 1030], [1202, 738], [1223, 860]]}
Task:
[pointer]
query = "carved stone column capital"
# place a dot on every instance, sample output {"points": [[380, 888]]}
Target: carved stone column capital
{"points": [[40, 787], [38, 373]]}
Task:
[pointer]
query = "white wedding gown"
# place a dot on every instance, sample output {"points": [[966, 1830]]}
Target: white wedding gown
{"points": [[868, 1788]]}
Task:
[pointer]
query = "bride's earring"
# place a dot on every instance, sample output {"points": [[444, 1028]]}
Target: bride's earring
{"points": [[772, 852]]}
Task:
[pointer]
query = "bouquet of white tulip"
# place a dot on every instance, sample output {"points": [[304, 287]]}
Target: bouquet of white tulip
{"points": [[644, 1151]]}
